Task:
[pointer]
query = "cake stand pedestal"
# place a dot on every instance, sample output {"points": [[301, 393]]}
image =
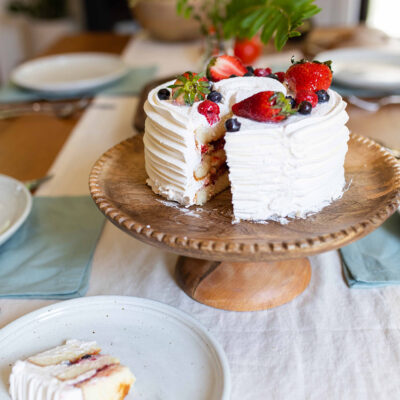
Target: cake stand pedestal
{"points": [[245, 266]]}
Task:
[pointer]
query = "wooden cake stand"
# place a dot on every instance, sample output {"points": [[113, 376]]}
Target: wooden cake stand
{"points": [[245, 266]]}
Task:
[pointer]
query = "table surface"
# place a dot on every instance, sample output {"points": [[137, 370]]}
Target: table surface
{"points": [[330, 342]]}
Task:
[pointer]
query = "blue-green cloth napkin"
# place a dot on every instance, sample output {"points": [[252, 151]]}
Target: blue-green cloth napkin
{"points": [[49, 257], [130, 84], [374, 260]]}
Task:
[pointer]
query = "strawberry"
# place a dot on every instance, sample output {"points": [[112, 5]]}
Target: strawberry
{"points": [[309, 75], [210, 110], [264, 107], [304, 95], [280, 75], [189, 87], [248, 50], [262, 71], [222, 67]]}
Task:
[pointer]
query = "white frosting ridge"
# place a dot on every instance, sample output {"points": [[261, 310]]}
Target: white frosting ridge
{"points": [[288, 169]]}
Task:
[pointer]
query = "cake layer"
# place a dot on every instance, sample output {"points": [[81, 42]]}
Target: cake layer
{"points": [[291, 168]]}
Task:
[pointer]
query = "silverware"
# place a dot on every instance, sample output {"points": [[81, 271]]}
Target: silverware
{"points": [[373, 106], [62, 110], [35, 183], [58, 109]]}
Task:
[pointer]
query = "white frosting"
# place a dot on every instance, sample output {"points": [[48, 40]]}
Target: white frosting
{"points": [[288, 169], [33, 382], [170, 148], [276, 170]]}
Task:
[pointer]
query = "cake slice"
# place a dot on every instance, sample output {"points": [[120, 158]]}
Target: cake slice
{"points": [[73, 371]]}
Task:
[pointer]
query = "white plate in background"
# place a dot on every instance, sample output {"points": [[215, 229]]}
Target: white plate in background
{"points": [[366, 68], [172, 356], [15, 206], [69, 72]]}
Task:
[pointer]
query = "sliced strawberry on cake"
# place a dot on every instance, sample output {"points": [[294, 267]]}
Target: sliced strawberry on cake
{"points": [[265, 106], [223, 67]]}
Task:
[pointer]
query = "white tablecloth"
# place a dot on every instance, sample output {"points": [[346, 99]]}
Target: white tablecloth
{"points": [[329, 343]]}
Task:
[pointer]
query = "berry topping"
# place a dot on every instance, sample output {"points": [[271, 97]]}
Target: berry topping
{"points": [[264, 107], [323, 96], [248, 74], [273, 76], [248, 50], [305, 108], [292, 101], [189, 87], [309, 75], [233, 76], [223, 67], [280, 75], [232, 125], [310, 97], [210, 110], [262, 71], [250, 69], [214, 96], [163, 94]]}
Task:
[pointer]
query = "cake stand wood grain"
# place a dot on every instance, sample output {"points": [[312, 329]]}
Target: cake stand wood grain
{"points": [[118, 187]]}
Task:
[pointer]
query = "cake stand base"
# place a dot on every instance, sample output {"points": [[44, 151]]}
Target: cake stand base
{"points": [[243, 286]]}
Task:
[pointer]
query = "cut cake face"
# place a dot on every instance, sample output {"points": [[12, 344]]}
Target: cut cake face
{"points": [[73, 371]]}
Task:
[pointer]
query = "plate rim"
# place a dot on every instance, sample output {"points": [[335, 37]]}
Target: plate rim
{"points": [[12, 229], [183, 317], [365, 50], [76, 86]]}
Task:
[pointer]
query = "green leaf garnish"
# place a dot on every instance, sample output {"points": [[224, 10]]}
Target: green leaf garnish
{"points": [[191, 87]]}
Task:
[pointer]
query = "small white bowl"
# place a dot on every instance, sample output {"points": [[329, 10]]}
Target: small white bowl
{"points": [[15, 206]]}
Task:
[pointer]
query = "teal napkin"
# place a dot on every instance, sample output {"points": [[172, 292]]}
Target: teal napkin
{"points": [[130, 84], [374, 260], [50, 255]]}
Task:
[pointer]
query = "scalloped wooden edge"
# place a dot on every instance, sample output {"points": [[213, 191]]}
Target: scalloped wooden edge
{"points": [[218, 250]]}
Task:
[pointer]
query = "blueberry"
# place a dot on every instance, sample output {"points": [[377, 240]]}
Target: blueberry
{"points": [[250, 69], [248, 74], [233, 76], [86, 356], [214, 96], [305, 107], [323, 96], [292, 101], [273, 76], [163, 94], [232, 125]]}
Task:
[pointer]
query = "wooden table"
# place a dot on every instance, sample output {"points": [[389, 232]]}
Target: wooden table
{"points": [[29, 145]]}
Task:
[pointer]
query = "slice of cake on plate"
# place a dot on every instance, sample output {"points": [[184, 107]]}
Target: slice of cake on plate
{"points": [[280, 145], [73, 371]]}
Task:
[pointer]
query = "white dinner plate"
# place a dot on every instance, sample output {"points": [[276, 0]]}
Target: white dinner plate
{"points": [[366, 68], [15, 206], [69, 72], [172, 356]]}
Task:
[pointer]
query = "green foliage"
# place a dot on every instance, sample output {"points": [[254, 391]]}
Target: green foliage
{"points": [[41, 9], [277, 19]]}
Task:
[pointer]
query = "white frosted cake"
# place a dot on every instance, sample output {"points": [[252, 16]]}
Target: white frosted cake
{"points": [[280, 149], [74, 371]]}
